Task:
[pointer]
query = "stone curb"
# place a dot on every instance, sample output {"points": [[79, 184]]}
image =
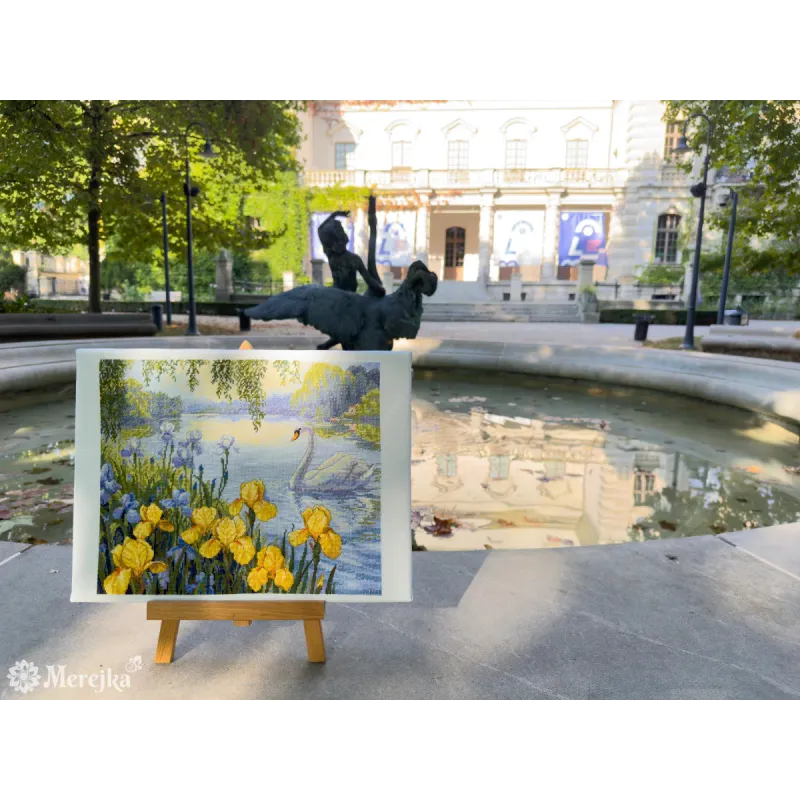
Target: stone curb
{"points": [[760, 385]]}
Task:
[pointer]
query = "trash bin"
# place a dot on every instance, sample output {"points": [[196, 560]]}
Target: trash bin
{"points": [[244, 320], [733, 317], [642, 324], [158, 317]]}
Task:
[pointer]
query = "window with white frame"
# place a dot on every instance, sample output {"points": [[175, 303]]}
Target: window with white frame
{"points": [[577, 153], [457, 156], [667, 238], [448, 466], [401, 155], [672, 133], [345, 155], [516, 154], [498, 467]]}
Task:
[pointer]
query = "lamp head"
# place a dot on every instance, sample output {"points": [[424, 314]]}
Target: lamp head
{"points": [[683, 146], [208, 151]]}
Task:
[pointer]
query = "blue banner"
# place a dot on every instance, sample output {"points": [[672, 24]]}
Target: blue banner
{"points": [[317, 218], [582, 233]]}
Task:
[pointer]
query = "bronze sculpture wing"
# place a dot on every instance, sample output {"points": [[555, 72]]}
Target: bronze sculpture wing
{"points": [[337, 313]]}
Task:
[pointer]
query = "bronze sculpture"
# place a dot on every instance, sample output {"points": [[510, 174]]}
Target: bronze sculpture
{"points": [[357, 321], [371, 321]]}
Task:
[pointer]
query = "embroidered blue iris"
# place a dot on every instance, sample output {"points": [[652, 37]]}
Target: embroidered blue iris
{"points": [[167, 431], [193, 442], [129, 508], [180, 499], [225, 445], [182, 458], [133, 448], [108, 484]]}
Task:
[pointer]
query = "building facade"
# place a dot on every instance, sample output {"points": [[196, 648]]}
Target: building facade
{"points": [[52, 276], [483, 191]]}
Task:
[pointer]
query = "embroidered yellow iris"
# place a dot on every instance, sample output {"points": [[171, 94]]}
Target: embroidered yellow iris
{"points": [[151, 519], [230, 534], [131, 559], [318, 520], [269, 564], [202, 520], [252, 494]]}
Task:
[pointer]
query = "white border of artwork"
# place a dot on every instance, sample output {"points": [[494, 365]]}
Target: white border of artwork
{"points": [[395, 471]]}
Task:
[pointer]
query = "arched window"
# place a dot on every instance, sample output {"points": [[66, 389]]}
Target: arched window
{"points": [[667, 238], [454, 243]]}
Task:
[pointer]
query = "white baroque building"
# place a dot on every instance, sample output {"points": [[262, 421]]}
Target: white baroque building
{"points": [[483, 191]]}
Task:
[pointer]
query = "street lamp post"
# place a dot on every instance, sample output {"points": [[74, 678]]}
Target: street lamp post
{"points": [[207, 152], [166, 256], [734, 195], [698, 190]]}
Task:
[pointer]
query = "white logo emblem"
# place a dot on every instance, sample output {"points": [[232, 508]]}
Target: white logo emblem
{"points": [[23, 676], [134, 664]]}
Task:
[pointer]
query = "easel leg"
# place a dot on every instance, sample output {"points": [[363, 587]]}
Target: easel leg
{"points": [[314, 641], [165, 649]]}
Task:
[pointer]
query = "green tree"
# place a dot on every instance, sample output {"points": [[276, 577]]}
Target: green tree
{"points": [[88, 171], [761, 137]]}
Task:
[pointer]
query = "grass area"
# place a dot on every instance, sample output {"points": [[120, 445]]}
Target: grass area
{"points": [[205, 329], [673, 343]]}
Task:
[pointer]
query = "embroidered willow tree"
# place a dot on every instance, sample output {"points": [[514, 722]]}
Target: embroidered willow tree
{"points": [[233, 379]]}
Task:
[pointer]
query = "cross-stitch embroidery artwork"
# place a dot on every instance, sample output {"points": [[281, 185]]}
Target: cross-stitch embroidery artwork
{"points": [[239, 476]]}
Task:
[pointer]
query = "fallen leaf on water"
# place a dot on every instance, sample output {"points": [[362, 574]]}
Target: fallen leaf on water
{"points": [[718, 527], [667, 525], [30, 539], [506, 523], [793, 470], [753, 469], [440, 527]]}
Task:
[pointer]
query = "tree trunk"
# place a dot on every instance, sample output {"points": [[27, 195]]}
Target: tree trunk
{"points": [[95, 161], [94, 255]]}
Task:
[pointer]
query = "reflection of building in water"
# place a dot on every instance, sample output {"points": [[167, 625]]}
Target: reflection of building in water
{"points": [[516, 482]]}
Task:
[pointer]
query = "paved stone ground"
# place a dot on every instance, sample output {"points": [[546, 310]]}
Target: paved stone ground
{"points": [[533, 332], [686, 618]]}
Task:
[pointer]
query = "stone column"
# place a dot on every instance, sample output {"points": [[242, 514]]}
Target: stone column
{"points": [[317, 266], [224, 276], [516, 288], [485, 237], [552, 218], [586, 273], [422, 232]]}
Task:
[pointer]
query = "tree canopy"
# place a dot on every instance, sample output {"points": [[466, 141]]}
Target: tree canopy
{"points": [[86, 171], [761, 137]]}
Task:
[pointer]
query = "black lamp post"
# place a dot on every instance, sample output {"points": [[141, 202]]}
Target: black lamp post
{"points": [[207, 152], [698, 190], [166, 256], [723, 293]]}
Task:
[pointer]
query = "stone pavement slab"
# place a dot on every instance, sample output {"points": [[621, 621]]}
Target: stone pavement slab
{"points": [[9, 550], [778, 545], [684, 618]]}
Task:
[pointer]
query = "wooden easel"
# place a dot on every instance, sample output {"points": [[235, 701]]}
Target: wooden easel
{"points": [[241, 612]]}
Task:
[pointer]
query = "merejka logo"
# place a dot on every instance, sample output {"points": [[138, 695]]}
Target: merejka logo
{"points": [[24, 677]]}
